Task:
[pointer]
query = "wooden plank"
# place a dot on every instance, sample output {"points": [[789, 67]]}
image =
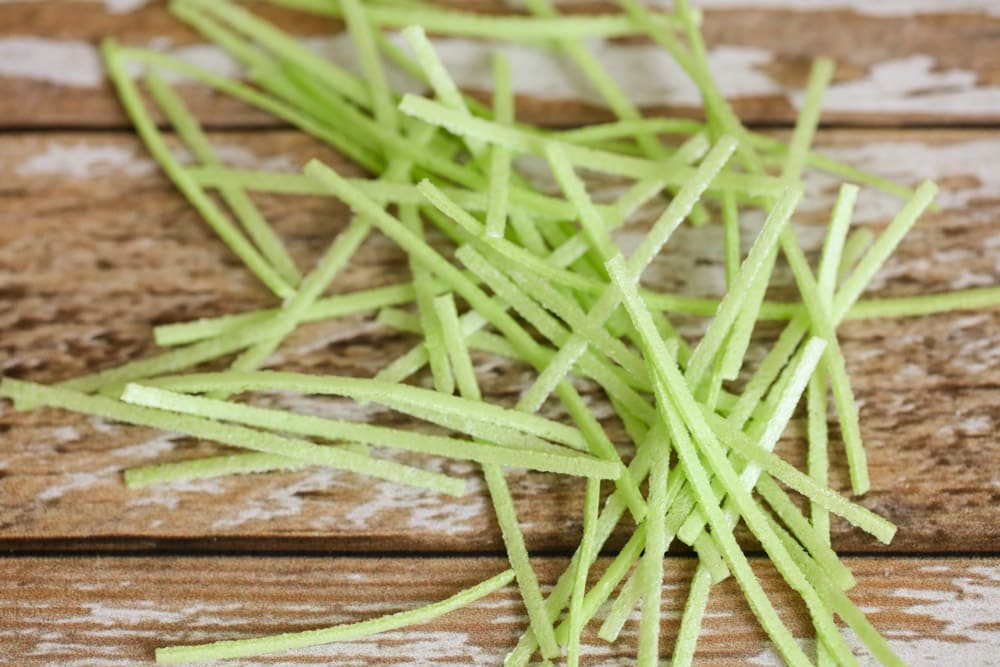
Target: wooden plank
{"points": [[95, 248], [902, 62], [115, 611]]}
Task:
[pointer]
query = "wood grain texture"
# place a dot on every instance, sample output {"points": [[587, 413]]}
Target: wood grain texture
{"points": [[115, 611], [896, 66], [96, 247]]}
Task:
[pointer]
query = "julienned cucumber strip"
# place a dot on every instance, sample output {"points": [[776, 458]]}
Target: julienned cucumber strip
{"points": [[261, 645]]}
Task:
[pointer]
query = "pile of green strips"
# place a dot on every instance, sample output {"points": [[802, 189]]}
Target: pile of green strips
{"points": [[535, 277]]}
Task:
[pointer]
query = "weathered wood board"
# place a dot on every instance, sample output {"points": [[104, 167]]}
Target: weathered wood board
{"points": [[83, 283], [905, 62], [115, 611]]}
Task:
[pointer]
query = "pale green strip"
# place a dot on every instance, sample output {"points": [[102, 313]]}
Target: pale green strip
{"points": [[652, 560], [290, 49], [326, 308], [258, 646], [813, 541], [500, 157], [503, 508], [820, 76], [576, 621], [402, 397], [729, 308], [248, 214], [612, 163], [691, 620], [237, 436], [209, 467], [622, 607], [817, 457], [833, 244], [454, 342], [731, 237], [567, 463], [114, 58], [881, 249]]}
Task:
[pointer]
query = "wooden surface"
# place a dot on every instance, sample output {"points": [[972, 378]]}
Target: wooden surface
{"points": [[96, 248]]}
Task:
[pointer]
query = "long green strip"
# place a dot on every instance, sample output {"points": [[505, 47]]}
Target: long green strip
{"points": [[576, 620], [115, 61], [362, 389], [694, 612], [209, 467], [334, 429], [326, 308], [241, 204], [652, 561], [284, 642], [500, 157], [611, 163], [25, 393], [509, 28]]}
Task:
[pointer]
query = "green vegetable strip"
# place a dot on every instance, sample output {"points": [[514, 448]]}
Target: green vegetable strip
{"points": [[816, 402], [590, 134], [279, 420], [652, 562], [241, 204], [454, 342], [857, 244], [329, 307], [691, 620], [526, 307], [516, 29], [595, 73], [261, 645], [503, 507], [671, 387], [857, 515], [128, 93], [818, 461], [833, 244], [820, 76], [669, 220], [209, 467], [496, 483], [834, 364], [883, 247], [575, 620], [596, 439], [500, 157], [253, 97], [217, 466], [622, 607], [336, 457], [610, 163], [332, 76], [804, 532], [729, 307], [542, 207], [400, 397]]}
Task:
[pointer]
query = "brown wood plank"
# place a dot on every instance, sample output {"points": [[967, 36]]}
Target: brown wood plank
{"points": [[115, 611], [95, 248], [899, 64]]}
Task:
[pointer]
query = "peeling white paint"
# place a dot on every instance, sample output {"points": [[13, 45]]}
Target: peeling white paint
{"points": [[74, 64]]}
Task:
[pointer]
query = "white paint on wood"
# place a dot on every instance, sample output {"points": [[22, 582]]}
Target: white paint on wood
{"points": [[74, 64], [86, 159]]}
